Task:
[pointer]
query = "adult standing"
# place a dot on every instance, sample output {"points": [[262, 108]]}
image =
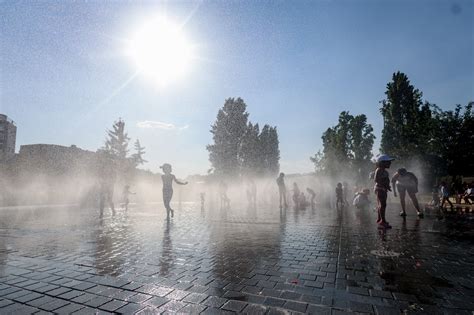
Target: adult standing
{"points": [[282, 190], [406, 182]]}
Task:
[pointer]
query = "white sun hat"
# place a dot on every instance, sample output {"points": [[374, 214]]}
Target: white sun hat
{"points": [[383, 158]]}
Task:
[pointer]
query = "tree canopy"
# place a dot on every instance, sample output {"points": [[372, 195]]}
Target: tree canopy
{"points": [[239, 147]]}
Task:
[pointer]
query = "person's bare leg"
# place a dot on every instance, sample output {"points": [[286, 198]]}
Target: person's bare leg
{"points": [[415, 203], [402, 195]]}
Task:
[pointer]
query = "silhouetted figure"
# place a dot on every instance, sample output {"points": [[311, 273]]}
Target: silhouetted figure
{"points": [[252, 193], [445, 195], [282, 190], [345, 192], [203, 200], [302, 203], [296, 195], [406, 182], [225, 201], [106, 185], [381, 188], [125, 193], [313, 197], [468, 194], [361, 200], [167, 179], [339, 196]]}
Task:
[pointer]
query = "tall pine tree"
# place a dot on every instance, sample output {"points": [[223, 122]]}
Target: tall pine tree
{"points": [[137, 157], [117, 140]]}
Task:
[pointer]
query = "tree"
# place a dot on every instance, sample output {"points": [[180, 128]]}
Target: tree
{"points": [[406, 119], [137, 157], [348, 145], [269, 150], [117, 142], [250, 155], [227, 131], [453, 139]]}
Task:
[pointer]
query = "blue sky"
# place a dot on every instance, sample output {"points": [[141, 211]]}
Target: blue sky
{"points": [[297, 65]]}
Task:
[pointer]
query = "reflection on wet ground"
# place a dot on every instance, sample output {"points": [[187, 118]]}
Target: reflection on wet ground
{"points": [[64, 259]]}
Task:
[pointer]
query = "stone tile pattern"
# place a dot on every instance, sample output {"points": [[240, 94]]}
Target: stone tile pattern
{"points": [[66, 260]]}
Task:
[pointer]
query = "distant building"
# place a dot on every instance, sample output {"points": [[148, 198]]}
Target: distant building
{"points": [[7, 137], [52, 158]]}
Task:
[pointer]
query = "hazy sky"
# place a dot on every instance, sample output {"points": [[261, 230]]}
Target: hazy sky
{"points": [[297, 64]]}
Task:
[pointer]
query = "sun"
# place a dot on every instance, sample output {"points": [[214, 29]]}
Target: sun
{"points": [[160, 51]]}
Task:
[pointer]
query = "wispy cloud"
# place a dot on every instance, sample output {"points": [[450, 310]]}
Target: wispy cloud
{"points": [[150, 124]]}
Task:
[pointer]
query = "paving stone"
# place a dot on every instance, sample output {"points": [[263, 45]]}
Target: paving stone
{"points": [[4, 302], [315, 309], [216, 311], [28, 297], [357, 290], [235, 306], [112, 305], [59, 291], [195, 298], [156, 301], [139, 298], [273, 302], [177, 295], [214, 301], [254, 309], [130, 308], [382, 294], [68, 309], [53, 305], [83, 298], [192, 309], [360, 307], [172, 306], [295, 306], [97, 301], [40, 301]]}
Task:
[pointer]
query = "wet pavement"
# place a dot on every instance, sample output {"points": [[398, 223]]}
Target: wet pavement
{"points": [[66, 260]]}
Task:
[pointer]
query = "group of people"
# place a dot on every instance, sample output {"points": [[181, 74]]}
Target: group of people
{"points": [[298, 197], [106, 191], [442, 194], [404, 182]]}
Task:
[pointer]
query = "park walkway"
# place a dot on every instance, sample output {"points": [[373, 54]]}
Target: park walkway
{"points": [[65, 260]]}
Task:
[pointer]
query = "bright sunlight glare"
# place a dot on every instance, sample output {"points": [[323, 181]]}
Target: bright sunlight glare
{"points": [[160, 51]]}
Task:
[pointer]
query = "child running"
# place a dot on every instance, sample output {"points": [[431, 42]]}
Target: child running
{"points": [[125, 193], [168, 179], [382, 186]]}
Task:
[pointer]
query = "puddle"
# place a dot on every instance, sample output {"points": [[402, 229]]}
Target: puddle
{"points": [[399, 279]]}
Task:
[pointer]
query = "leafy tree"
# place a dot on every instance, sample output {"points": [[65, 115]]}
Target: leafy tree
{"points": [[250, 155], [269, 150], [228, 131], [137, 157], [346, 145], [453, 139], [406, 119], [117, 140]]}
